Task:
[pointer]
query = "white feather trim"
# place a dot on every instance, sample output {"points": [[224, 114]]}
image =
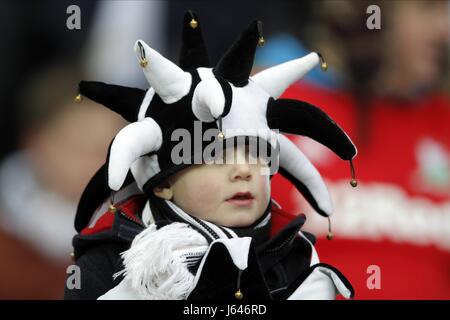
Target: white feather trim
{"points": [[156, 263]]}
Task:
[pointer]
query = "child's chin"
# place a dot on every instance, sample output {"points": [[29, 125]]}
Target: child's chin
{"points": [[244, 220]]}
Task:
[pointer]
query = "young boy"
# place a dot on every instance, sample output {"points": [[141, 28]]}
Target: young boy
{"points": [[230, 194], [191, 226]]}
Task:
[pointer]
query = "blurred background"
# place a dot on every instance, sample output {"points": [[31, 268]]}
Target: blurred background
{"points": [[388, 88]]}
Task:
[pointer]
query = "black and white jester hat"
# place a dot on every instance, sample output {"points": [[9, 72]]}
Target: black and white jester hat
{"points": [[223, 97]]}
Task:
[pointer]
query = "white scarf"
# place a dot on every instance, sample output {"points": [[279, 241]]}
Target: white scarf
{"points": [[157, 263], [156, 266]]}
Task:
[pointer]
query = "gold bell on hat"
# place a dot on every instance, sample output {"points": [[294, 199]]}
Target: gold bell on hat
{"points": [[261, 41], [220, 135], [72, 256], [78, 98], [238, 295], [112, 208], [323, 64], [193, 23], [143, 62], [353, 182]]}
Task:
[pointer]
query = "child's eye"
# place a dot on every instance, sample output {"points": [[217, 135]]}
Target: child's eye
{"points": [[259, 154], [240, 153], [215, 157]]}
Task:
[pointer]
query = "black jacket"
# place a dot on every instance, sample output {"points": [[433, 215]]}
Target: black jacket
{"points": [[276, 266]]}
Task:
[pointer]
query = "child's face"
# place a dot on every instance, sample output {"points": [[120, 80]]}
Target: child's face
{"points": [[231, 195]]}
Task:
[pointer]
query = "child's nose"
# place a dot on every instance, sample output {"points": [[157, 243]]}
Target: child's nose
{"points": [[241, 172]]}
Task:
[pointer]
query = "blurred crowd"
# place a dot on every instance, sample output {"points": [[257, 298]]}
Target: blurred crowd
{"points": [[388, 88]]}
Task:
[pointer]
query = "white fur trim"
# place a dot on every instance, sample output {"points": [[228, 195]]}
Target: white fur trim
{"points": [[156, 264], [298, 165], [168, 80], [277, 79], [133, 141]]}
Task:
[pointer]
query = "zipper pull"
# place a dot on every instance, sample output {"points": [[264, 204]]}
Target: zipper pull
{"points": [[238, 294]]}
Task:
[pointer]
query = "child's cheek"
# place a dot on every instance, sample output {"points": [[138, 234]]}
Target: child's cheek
{"points": [[206, 192], [265, 187]]}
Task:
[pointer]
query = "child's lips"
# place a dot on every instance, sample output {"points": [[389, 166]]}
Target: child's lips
{"points": [[242, 199]]}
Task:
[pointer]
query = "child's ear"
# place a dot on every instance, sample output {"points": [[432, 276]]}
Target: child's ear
{"points": [[164, 191]]}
